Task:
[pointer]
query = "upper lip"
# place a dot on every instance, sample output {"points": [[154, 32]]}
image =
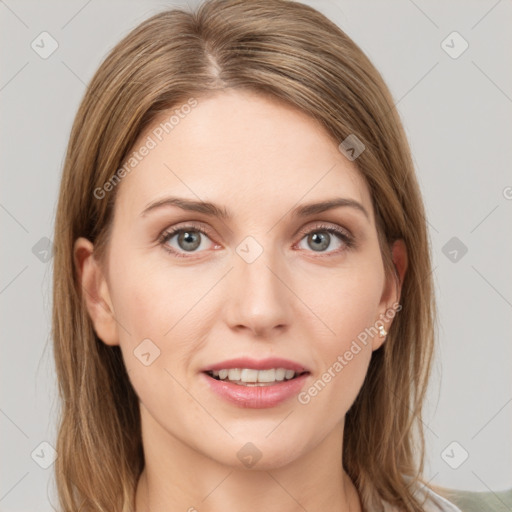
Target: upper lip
{"points": [[257, 364]]}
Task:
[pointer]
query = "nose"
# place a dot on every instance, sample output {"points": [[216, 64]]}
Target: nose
{"points": [[258, 298]]}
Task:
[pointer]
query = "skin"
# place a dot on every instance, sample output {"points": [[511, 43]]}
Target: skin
{"points": [[259, 159]]}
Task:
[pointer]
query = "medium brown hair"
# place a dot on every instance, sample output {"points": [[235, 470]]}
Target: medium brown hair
{"points": [[291, 52]]}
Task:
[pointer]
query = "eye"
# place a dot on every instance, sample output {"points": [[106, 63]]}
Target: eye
{"points": [[188, 239], [320, 238], [191, 238]]}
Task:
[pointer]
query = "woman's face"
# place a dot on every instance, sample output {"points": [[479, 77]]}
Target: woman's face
{"points": [[269, 280]]}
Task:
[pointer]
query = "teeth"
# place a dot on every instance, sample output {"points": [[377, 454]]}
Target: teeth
{"points": [[234, 374], [251, 376], [267, 375], [280, 374], [247, 375]]}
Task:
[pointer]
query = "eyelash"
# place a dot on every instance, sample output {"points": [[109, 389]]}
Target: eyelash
{"points": [[345, 237]]}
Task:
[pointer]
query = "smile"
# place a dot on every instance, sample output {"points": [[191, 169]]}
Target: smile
{"points": [[252, 377]]}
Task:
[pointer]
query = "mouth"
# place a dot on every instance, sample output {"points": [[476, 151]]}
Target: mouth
{"points": [[251, 377]]}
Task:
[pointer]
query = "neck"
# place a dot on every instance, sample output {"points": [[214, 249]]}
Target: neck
{"points": [[178, 477]]}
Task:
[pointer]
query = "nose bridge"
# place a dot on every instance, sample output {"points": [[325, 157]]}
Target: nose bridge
{"points": [[259, 298]]}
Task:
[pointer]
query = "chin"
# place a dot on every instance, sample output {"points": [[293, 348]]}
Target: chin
{"points": [[256, 454]]}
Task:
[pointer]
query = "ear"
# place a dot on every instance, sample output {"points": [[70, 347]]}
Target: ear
{"points": [[392, 290], [95, 291]]}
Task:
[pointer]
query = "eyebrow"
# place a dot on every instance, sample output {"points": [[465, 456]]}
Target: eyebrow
{"points": [[221, 212]]}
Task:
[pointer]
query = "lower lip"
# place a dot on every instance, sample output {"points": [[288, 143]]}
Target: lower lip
{"points": [[257, 397]]}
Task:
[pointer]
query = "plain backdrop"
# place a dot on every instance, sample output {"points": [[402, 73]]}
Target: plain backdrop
{"points": [[456, 106]]}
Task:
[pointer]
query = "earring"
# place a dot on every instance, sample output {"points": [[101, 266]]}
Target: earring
{"points": [[382, 331]]}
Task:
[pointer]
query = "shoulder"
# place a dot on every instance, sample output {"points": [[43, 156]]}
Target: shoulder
{"points": [[431, 502], [434, 502]]}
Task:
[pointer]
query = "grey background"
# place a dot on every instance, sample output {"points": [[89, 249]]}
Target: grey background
{"points": [[457, 115]]}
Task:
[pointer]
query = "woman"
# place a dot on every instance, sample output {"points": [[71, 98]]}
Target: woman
{"points": [[243, 305]]}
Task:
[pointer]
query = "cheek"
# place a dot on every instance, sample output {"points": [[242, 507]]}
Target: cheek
{"points": [[347, 302], [160, 333], [348, 306], [154, 300], [164, 312]]}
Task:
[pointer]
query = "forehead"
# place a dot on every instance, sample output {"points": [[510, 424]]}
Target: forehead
{"points": [[242, 150]]}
